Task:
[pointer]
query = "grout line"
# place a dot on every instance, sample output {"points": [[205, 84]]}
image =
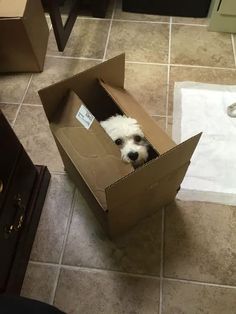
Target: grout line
{"points": [[160, 22], [168, 73], [140, 21], [69, 267], [162, 259], [201, 66], [109, 31], [63, 246], [147, 63], [55, 172], [94, 269], [181, 65], [32, 105], [81, 17], [68, 224], [9, 103], [189, 24], [69, 57], [44, 263], [233, 45], [22, 100], [195, 282]]}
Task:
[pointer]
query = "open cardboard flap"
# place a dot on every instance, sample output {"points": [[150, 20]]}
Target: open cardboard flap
{"points": [[91, 150], [12, 8], [154, 134], [86, 85]]}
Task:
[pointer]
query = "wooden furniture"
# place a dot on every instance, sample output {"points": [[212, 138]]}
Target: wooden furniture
{"points": [[191, 8], [62, 32], [23, 188]]}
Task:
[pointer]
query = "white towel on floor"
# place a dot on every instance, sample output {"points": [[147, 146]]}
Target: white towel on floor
{"points": [[203, 108]]}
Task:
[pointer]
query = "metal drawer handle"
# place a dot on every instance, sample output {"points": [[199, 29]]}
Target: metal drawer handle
{"points": [[15, 227], [1, 186]]}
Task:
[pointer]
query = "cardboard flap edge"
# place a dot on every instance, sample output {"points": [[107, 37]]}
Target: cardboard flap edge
{"points": [[12, 11]]}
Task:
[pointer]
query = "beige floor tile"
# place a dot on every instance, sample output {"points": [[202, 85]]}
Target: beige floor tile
{"points": [[148, 83], [187, 298], [190, 20], [203, 75], [53, 222], [143, 42], [39, 282], [85, 9], [123, 15], [13, 86], [136, 252], [87, 39], [161, 121], [200, 242], [9, 111], [194, 45], [169, 126], [48, 21], [92, 292], [33, 131], [55, 69]]}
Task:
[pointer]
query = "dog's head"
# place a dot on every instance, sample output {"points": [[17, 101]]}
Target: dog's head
{"points": [[128, 136]]}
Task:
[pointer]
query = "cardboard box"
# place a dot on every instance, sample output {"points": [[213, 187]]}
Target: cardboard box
{"points": [[23, 36], [119, 195]]}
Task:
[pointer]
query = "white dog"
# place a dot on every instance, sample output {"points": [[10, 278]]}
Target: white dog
{"points": [[127, 134]]}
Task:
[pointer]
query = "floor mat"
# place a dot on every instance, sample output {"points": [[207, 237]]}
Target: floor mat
{"points": [[203, 108]]}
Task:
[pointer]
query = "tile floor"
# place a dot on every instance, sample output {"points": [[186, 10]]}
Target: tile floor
{"points": [[182, 260]]}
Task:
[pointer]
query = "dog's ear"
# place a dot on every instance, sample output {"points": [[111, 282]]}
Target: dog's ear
{"points": [[152, 153], [132, 121], [104, 124]]}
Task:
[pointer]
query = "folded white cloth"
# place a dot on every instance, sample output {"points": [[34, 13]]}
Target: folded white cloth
{"points": [[203, 108]]}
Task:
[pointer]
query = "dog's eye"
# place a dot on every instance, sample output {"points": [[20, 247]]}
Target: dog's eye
{"points": [[119, 141], [137, 138]]}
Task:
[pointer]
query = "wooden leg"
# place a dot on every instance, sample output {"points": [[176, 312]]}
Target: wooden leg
{"points": [[62, 33], [99, 8]]}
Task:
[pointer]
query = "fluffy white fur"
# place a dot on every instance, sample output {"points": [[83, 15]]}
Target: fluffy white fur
{"points": [[127, 134]]}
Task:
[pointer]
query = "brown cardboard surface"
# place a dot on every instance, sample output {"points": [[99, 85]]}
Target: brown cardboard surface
{"points": [[36, 27], [147, 184], [86, 85], [23, 40], [154, 134], [14, 38], [92, 151], [129, 195], [124, 216], [12, 8], [83, 188]]}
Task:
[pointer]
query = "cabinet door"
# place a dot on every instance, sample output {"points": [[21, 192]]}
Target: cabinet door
{"points": [[227, 7], [13, 213], [9, 153]]}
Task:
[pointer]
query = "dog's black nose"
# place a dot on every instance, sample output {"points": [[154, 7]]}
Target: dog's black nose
{"points": [[133, 156]]}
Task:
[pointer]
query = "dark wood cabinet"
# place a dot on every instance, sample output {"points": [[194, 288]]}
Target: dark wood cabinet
{"points": [[23, 188]]}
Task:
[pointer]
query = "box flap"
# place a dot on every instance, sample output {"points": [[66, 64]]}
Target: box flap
{"points": [[85, 84], [91, 150], [154, 134], [12, 8], [150, 177]]}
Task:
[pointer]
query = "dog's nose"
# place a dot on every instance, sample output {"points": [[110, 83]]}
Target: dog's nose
{"points": [[133, 156]]}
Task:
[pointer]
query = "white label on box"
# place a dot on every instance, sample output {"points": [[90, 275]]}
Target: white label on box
{"points": [[85, 117]]}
